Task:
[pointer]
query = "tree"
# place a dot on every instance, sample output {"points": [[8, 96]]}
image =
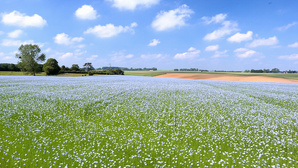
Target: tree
{"points": [[88, 66], [275, 70], [51, 67], [63, 67], [29, 57], [75, 67]]}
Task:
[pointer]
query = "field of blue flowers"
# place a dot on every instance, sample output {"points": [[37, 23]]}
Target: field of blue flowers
{"points": [[125, 121]]}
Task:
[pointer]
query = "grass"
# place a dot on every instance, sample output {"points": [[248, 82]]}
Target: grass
{"points": [[275, 75], [14, 73], [126, 121], [145, 73], [156, 73]]}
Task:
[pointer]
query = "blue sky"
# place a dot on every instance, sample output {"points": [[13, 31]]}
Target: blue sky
{"points": [[167, 34]]}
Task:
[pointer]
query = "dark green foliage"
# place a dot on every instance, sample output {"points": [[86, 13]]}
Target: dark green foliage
{"points": [[51, 67], [257, 71], [90, 73], [8, 67], [88, 66], [75, 67], [29, 57], [104, 72], [275, 70]]}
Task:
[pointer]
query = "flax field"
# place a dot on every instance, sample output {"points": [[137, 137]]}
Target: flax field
{"points": [[126, 121]]}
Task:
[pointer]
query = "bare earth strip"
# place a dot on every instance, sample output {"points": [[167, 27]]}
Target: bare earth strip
{"points": [[224, 77]]}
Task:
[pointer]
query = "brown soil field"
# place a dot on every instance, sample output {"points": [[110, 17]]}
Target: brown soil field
{"points": [[225, 77]]}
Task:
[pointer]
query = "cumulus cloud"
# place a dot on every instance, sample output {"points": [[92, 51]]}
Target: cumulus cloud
{"points": [[219, 54], [154, 42], [151, 56], [238, 37], [67, 55], [289, 57], [71, 55], [16, 43], [227, 28], [215, 19], [244, 53], [190, 54], [4, 57], [264, 42], [133, 4], [86, 12], [294, 45], [65, 39], [109, 30], [15, 34], [92, 58], [16, 18], [171, 19], [212, 48], [286, 27], [120, 56]]}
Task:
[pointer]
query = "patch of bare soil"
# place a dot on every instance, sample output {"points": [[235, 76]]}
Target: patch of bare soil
{"points": [[224, 77]]}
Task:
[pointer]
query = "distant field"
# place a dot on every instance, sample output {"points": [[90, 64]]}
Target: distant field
{"points": [[275, 75], [156, 73], [13, 73], [145, 73]]}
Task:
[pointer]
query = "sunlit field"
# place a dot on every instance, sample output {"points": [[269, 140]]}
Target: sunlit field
{"points": [[127, 121]]}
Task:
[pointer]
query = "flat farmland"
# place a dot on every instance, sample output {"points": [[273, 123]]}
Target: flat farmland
{"points": [[128, 121], [278, 78]]}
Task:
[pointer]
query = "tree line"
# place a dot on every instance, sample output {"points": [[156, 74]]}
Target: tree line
{"points": [[274, 70], [30, 60]]}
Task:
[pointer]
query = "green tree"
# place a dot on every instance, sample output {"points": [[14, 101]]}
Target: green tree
{"points": [[88, 66], [275, 70], [75, 67], [29, 58], [51, 67]]}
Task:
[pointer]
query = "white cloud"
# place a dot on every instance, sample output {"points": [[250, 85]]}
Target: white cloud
{"points": [[16, 18], [109, 30], [67, 55], [120, 56], [64, 39], [71, 55], [294, 45], [264, 42], [151, 56], [15, 34], [48, 50], [215, 19], [154, 42], [289, 57], [227, 28], [190, 54], [212, 48], [1, 32], [238, 37], [86, 12], [244, 53], [92, 58], [286, 27], [219, 54], [17, 43], [171, 19], [133, 4]]}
